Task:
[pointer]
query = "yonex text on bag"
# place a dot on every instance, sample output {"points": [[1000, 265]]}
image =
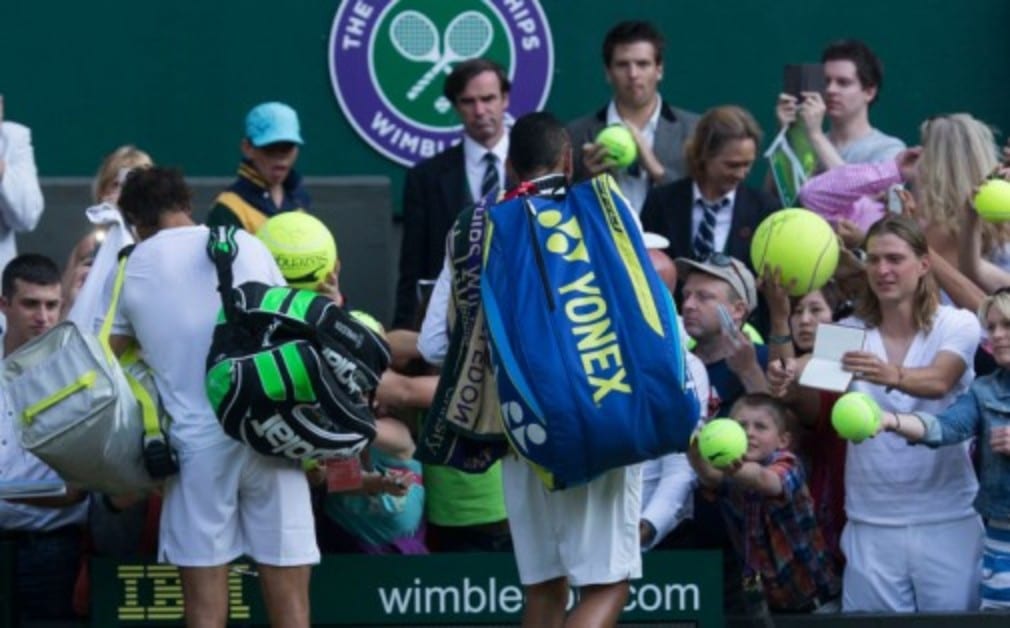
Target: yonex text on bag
{"points": [[585, 338]]}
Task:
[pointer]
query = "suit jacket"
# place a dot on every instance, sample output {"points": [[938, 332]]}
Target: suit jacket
{"points": [[434, 192], [667, 211], [674, 127]]}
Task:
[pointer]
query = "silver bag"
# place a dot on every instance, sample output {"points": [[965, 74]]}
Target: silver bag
{"points": [[75, 407]]}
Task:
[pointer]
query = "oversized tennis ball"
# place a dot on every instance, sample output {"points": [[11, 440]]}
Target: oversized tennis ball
{"points": [[801, 243], [303, 247], [722, 442], [855, 416], [993, 200], [620, 144]]}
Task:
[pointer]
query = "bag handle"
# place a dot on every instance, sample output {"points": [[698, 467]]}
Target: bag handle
{"points": [[159, 459], [117, 288], [222, 248]]}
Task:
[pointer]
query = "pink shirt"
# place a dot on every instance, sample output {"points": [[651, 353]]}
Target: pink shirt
{"points": [[851, 192]]}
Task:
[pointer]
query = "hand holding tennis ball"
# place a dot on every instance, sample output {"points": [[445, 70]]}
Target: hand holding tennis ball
{"points": [[722, 442], [992, 202], [856, 416], [620, 144]]}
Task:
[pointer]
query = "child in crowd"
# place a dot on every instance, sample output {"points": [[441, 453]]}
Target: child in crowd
{"points": [[267, 183], [794, 322], [769, 512], [980, 413]]}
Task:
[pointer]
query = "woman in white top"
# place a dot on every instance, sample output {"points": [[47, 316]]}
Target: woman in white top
{"points": [[913, 541]]}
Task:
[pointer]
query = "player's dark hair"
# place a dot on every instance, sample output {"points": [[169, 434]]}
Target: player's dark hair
{"points": [[536, 144], [150, 192]]}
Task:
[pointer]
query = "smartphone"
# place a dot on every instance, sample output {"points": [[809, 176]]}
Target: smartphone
{"points": [[802, 77], [726, 321], [894, 199]]}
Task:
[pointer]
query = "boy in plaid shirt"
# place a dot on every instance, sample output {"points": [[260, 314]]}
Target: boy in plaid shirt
{"points": [[769, 513]]}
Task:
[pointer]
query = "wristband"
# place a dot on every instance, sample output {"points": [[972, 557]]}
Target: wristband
{"points": [[779, 340], [897, 385]]}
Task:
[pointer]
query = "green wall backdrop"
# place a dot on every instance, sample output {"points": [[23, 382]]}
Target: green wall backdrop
{"points": [[177, 77]]}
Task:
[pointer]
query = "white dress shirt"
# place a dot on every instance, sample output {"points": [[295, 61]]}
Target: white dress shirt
{"points": [[636, 188], [473, 157], [433, 341], [668, 482]]}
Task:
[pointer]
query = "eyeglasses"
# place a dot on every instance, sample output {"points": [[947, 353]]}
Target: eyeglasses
{"points": [[717, 259], [722, 260]]}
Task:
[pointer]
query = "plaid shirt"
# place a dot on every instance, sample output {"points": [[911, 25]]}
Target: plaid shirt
{"points": [[778, 537]]}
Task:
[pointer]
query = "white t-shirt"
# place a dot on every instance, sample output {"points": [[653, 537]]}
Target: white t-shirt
{"points": [[170, 304], [888, 481]]}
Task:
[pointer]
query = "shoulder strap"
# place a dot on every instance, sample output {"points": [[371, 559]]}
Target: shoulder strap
{"points": [[159, 460], [222, 248], [110, 313]]}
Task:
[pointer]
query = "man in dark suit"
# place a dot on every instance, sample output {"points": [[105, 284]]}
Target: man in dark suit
{"points": [[711, 211], [633, 60], [437, 189]]}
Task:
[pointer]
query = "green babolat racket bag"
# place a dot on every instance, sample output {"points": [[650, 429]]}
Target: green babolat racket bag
{"points": [[289, 372]]}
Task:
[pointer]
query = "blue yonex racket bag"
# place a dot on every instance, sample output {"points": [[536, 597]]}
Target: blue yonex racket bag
{"points": [[585, 342]]}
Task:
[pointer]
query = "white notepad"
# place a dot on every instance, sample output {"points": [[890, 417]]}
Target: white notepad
{"points": [[824, 370], [19, 489]]}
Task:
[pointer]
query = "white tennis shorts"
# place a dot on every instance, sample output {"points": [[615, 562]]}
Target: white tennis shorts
{"points": [[587, 534], [228, 501]]}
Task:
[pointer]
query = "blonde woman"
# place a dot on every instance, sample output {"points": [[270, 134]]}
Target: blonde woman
{"points": [[79, 303], [958, 153]]}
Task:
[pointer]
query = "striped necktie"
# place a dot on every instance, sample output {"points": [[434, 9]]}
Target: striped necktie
{"points": [[704, 239], [490, 183]]}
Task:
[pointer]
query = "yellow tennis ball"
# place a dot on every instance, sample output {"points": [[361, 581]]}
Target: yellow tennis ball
{"points": [[801, 243], [620, 144], [303, 247], [993, 200], [722, 442], [855, 416], [368, 321]]}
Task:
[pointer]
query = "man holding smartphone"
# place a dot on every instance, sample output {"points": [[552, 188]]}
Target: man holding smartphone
{"points": [[853, 78]]}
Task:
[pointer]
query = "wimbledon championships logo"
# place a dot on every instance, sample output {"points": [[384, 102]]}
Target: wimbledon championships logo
{"points": [[389, 59]]}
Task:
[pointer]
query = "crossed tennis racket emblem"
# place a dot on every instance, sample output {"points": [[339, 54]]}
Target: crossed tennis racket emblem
{"points": [[416, 38]]}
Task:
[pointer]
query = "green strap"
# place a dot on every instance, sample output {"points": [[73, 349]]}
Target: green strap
{"points": [[117, 288], [148, 407], [222, 248]]}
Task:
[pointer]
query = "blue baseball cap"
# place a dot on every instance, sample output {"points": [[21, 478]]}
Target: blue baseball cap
{"points": [[272, 122]]}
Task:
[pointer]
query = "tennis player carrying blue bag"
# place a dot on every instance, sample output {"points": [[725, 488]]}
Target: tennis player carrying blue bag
{"points": [[585, 341]]}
